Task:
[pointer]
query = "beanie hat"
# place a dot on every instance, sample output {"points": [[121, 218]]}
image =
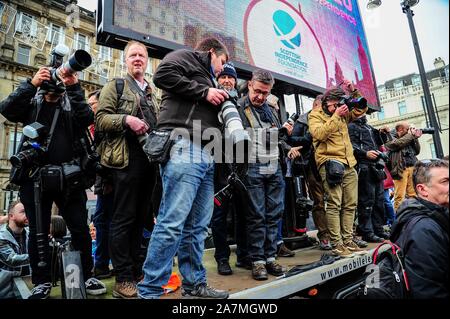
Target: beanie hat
{"points": [[228, 69]]}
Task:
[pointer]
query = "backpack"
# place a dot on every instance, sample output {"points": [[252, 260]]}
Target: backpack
{"points": [[386, 277]]}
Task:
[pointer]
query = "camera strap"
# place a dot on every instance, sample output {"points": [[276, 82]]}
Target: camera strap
{"points": [[52, 128]]}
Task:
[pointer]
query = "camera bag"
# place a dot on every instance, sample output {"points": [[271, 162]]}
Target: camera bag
{"points": [[335, 172], [158, 146]]}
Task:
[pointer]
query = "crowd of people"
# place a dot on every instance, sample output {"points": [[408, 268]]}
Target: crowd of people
{"points": [[349, 169]]}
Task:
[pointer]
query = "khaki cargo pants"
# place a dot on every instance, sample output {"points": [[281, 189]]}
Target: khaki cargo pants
{"points": [[340, 205]]}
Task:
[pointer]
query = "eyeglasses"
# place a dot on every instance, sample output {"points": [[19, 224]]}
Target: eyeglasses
{"points": [[259, 92]]}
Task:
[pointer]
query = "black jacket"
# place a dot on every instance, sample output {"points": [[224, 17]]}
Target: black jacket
{"points": [[302, 137], [20, 106], [425, 246], [185, 77], [365, 138]]}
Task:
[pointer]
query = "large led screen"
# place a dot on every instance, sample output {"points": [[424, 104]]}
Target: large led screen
{"points": [[316, 43]]}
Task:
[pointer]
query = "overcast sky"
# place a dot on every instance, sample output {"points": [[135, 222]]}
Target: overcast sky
{"points": [[389, 37]]}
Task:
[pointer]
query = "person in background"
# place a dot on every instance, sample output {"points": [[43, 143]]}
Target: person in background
{"points": [[14, 259]]}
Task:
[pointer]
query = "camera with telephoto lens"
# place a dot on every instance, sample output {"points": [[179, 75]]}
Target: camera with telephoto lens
{"points": [[33, 148], [359, 102], [428, 130], [229, 116], [78, 61]]}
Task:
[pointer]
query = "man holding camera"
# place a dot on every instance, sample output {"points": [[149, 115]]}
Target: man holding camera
{"points": [[335, 160], [264, 180], [228, 80], [402, 157], [366, 141], [190, 105], [61, 108], [125, 114]]}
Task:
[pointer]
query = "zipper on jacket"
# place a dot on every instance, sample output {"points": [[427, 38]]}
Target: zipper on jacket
{"points": [[190, 114]]}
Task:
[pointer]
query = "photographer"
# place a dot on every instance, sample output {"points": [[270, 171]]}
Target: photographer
{"points": [[335, 160], [300, 137], [227, 79], [190, 96], [366, 141], [126, 112], [264, 180], [27, 104], [402, 157]]}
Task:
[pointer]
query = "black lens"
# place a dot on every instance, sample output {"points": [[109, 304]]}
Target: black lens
{"points": [[79, 61]]}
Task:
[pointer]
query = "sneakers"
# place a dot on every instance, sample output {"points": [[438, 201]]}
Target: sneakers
{"points": [[223, 268], [102, 273], [324, 244], [259, 271], [283, 251], [41, 291], [204, 292], [361, 243], [354, 248], [125, 290], [342, 251], [95, 287], [274, 268]]}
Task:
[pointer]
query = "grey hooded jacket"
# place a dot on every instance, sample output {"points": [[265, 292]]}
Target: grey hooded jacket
{"points": [[11, 261]]}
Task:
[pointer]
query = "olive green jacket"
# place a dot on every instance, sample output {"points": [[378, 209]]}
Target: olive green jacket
{"points": [[110, 123]]}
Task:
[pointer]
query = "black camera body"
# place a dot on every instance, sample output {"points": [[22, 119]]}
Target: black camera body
{"points": [[283, 132], [359, 102], [381, 160], [78, 61]]}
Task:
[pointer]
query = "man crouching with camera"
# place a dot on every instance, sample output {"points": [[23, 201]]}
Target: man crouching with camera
{"points": [[59, 113]]}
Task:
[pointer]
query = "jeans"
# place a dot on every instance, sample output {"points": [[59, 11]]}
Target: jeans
{"points": [[182, 223], [102, 221], [266, 204], [388, 208]]}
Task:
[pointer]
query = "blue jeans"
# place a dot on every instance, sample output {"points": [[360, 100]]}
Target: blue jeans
{"points": [[102, 221], [182, 223], [266, 196], [389, 208]]}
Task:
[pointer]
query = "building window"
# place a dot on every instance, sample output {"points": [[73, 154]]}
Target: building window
{"points": [[163, 14], [381, 89], [56, 34], [416, 80], [104, 54], [433, 151], [446, 74], [175, 35], [381, 114], [82, 42], [398, 85], [23, 54], [11, 150], [402, 108], [26, 23], [162, 30]]}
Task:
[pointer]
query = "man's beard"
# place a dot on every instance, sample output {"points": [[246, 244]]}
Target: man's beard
{"points": [[21, 224]]}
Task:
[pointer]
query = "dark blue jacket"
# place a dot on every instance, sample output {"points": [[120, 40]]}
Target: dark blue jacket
{"points": [[425, 248]]}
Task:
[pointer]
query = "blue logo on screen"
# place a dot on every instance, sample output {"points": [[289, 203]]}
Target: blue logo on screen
{"points": [[286, 28]]}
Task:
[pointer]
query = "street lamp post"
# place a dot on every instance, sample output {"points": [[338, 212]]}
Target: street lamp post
{"points": [[406, 7]]}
